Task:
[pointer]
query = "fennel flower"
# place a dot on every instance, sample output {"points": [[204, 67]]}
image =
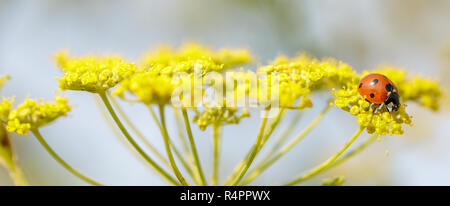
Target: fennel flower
{"points": [[91, 73], [300, 76], [218, 115], [381, 122], [32, 114], [166, 58], [147, 87]]}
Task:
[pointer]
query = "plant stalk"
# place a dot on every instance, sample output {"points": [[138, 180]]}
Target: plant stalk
{"points": [[328, 162], [130, 139], [41, 140]]}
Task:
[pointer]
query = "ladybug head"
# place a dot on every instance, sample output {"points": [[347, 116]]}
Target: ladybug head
{"points": [[393, 98]]}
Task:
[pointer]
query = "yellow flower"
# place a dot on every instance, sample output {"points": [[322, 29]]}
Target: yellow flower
{"points": [[33, 114], [91, 73], [232, 57], [153, 84], [167, 60], [300, 76], [218, 115], [3, 79], [148, 88], [381, 121]]}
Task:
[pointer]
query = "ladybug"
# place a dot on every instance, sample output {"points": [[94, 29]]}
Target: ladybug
{"points": [[378, 89]]}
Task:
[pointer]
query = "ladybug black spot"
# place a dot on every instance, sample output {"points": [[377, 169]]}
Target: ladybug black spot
{"points": [[374, 82], [372, 95], [360, 85], [389, 87]]}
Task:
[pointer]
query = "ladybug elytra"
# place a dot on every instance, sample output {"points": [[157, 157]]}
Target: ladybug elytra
{"points": [[379, 89]]}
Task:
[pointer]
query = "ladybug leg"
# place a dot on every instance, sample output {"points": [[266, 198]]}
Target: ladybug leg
{"points": [[380, 107], [387, 108], [371, 107], [376, 109]]}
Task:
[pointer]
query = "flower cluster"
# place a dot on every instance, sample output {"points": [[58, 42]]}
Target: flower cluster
{"points": [[154, 83], [31, 114], [218, 115], [91, 73], [148, 88], [379, 121], [426, 92], [300, 76], [166, 60]]}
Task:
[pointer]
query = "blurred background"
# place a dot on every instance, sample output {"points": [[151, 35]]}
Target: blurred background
{"points": [[414, 34]]}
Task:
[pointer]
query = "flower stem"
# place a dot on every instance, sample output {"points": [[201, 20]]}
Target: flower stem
{"points": [[181, 130], [254, 149], [239, 167], [193, 147], [133, 128], [173, 147], [283, 137], [186, 146], [328, 162], [119, 134], [216, 140], [351, 153], [261, 168], [166, 138], [272, 127], [127, 135], [41, 140]]}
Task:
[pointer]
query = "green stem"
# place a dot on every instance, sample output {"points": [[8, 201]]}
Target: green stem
{"points": [[193, 147], [242, 162], [272, 127], [186, 146], [216, 141], [166, 138], [351, 153], [184, 163], [254, 149], [134, 129], [180, 131], [41, 140], [328, 162], [261, 168], [283, 137], [118, 134], [172, 146], [127, 135]]}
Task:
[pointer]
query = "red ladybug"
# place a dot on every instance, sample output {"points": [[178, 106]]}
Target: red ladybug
{"points": [[379, 89]]}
